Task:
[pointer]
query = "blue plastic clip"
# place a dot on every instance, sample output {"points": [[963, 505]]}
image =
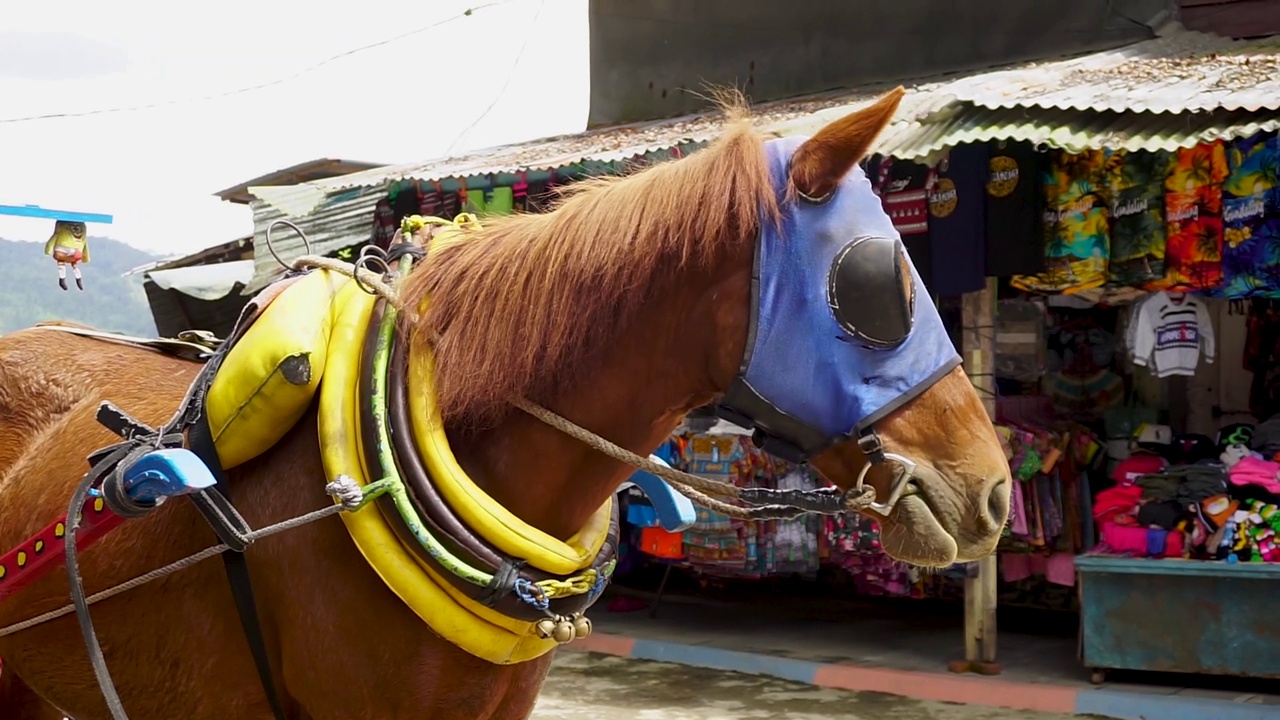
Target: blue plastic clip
{"points": [[166, 473]]}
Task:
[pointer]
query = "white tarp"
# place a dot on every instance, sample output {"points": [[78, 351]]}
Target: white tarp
{"points": [[205, 282]]}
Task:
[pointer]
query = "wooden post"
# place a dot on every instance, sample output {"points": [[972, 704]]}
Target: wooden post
{"points": [[978, 313]]}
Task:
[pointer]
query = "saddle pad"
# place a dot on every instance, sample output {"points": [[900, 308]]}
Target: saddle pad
{"points": [[269, 377]]}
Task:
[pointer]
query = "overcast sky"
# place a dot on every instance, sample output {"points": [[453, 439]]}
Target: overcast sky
{"points": [[155, 170]]}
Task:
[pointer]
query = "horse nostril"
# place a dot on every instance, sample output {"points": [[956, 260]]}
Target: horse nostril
{"points": [[997, 505]]}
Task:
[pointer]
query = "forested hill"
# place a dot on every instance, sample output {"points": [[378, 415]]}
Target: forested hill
{"points": [[29, 291]]}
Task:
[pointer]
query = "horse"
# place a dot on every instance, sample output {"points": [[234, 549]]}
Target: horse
{"points": [[635, 300]]}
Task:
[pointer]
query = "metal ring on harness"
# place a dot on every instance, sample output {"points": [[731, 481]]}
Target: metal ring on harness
{"points": [[899, 483], [363, 262], [306, 244]]}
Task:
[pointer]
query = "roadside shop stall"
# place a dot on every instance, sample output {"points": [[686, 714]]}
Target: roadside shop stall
{"points": [[1135, 339], [1144, 453]]}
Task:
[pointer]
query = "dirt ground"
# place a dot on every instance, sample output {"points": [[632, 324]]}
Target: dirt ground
{"points": [[593, 687]]}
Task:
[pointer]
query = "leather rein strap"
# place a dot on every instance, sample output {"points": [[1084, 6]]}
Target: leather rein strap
{"points": [[200, 441]]}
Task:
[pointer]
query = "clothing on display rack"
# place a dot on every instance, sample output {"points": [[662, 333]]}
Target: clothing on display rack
{"points": [[1050, 499], [1251, 219], [956, 221], [1193, 216], [1014, 209], [432, 200], [1169, 332], [1197, 506], [1077, 236], [1138, 234], [903, 187]]}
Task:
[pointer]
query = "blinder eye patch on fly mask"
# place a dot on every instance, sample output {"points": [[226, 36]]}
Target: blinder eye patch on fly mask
{"points": [[870, 292]]}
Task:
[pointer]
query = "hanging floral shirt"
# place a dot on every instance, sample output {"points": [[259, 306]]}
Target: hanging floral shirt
{"points": [[1193, 215], [1136, 181], [1251, 223], [1077, 236]]}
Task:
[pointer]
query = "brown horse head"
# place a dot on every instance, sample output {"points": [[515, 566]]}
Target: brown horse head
{"points": [[638, 298]]}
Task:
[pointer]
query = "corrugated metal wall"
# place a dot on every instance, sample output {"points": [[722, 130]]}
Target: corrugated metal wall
{"points": [[342, 220]]}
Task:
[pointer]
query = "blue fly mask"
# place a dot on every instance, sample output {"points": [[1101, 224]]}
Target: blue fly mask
{"points": [[842, 330]]}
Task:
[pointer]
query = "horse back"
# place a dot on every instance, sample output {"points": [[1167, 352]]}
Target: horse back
{"points": [[45, 374]]}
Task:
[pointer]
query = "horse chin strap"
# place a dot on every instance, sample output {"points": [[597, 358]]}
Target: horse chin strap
{"points": [[804, 442]]}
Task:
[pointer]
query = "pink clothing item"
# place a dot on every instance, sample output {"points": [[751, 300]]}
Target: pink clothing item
{"points": [[1015, 566], [1135, 541], [1017, 511], [1124, 539], [1252, 471], [1058, 568]]}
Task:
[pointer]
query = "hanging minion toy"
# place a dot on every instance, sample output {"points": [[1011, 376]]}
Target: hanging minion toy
{"points": [[69, 245]]}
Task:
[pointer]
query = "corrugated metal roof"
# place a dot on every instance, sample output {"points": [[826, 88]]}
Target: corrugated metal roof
{"points": [[1180, 71], [1075, 131], [301, 172], [604, 145]]}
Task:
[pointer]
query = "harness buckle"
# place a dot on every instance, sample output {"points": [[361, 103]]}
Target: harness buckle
{"points": [[870, 445]]}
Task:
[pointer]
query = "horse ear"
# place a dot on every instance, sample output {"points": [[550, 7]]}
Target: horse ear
{"points": [[822, 161]]}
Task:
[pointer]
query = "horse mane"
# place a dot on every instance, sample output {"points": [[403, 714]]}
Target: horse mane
{"points": [[525, 304]]}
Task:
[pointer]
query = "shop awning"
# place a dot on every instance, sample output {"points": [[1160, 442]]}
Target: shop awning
{"points": [[1177, 90], [1070, 130]]}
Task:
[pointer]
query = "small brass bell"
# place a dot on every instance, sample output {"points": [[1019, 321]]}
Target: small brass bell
{"points": [[582, 626], [564, 632], [546, 628]]}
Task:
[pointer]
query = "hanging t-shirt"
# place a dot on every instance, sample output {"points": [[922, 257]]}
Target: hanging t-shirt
{"points": [[1137, 216], [902, 186], [1170, 333], [1251, 246], [1014, 227], [957, 219], [1193, 216], [1251, 224], [1077, 237]]}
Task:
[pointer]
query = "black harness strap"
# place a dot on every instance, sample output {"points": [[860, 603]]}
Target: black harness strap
{"points": [[218, 511]]}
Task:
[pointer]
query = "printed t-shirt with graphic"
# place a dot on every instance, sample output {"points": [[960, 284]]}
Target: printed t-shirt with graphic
{"points": [[1077, 236], [1015, 205], [902, 187], [1193, 215], [1136, 181], [1170, 332], [1251, 223], [956, 221]]}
